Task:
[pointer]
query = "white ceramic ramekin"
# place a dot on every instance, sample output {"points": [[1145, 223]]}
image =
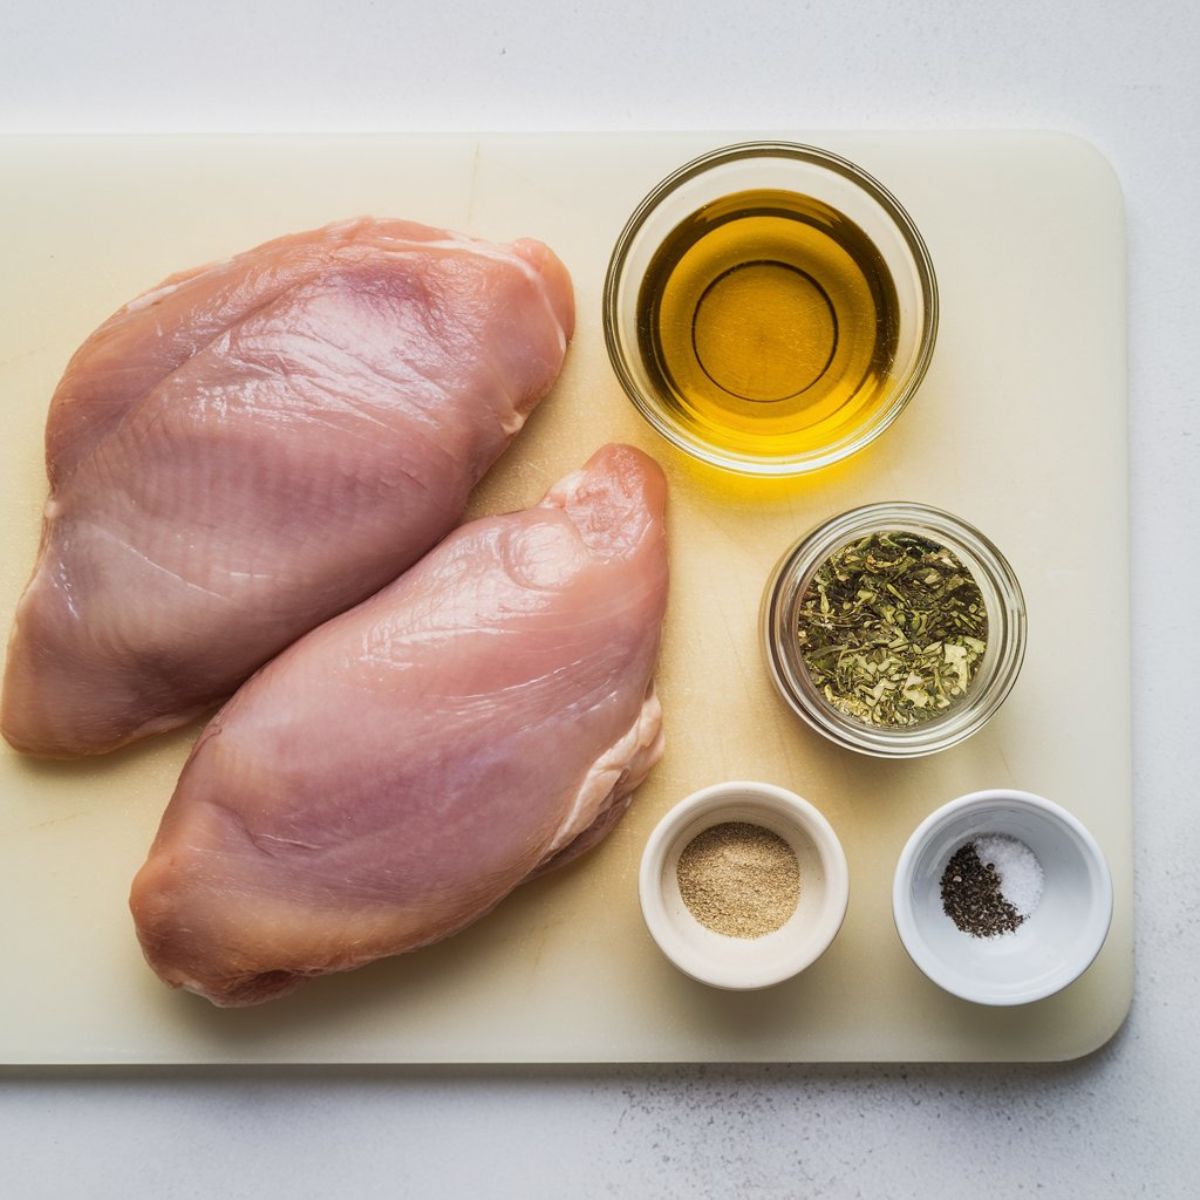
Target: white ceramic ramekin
{"points": [[1052, 947], [745, 963]]}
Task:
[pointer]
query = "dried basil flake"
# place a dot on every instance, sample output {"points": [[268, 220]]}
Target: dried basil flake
{"points": [[892, 629]]}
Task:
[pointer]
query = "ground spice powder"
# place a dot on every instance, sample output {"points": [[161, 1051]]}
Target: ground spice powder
{"points": [[739, 879]]}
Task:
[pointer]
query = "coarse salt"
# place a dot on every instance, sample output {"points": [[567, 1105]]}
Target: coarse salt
{"points": [[1021, 875]]}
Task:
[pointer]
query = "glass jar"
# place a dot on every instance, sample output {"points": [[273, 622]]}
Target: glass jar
{"points": [[994, 678]]}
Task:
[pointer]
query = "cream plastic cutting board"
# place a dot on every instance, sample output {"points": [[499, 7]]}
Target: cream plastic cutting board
{"points": [[1020, 428]]}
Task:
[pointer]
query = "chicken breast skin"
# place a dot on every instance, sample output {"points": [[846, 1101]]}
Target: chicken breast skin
{"points": [[392, 776], [256, 445]]}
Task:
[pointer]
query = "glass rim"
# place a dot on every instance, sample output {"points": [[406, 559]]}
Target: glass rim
{"points": [[1007, 629], [904, 390]]}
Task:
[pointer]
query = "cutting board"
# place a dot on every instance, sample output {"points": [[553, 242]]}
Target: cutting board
{"points": [[1020, 427]]}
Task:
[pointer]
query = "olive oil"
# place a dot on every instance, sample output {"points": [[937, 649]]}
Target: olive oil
{"points": [[768, 322]]}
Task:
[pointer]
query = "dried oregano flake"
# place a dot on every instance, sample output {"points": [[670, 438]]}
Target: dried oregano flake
{"points": [[892, 629]]}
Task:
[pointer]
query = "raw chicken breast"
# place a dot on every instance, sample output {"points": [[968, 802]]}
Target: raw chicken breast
{"points": [[396, 773], [253, 447]]}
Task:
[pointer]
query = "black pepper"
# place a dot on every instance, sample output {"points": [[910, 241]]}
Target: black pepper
{"points": [[972, 896]]}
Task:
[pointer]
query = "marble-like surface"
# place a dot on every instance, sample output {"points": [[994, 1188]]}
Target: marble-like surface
{"points": [[1119, 1124]]}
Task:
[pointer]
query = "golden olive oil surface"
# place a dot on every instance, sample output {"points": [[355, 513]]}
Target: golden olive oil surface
{"points": [[767, 322]]}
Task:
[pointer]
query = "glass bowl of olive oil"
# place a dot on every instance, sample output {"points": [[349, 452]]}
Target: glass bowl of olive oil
{"points": [[770, 308]]}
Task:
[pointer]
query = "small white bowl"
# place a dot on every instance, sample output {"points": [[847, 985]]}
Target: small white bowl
{"points": [[745, 963], [1055, 944]]}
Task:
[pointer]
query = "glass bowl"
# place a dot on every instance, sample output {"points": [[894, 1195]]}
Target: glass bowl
{"points": [[993, 680], [803, 170]]}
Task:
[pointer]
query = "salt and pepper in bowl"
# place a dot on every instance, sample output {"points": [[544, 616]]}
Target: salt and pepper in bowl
{"points": [[1002, 897]]}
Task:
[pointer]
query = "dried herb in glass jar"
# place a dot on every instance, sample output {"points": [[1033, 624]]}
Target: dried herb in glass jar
{"points": [[892, 629]]}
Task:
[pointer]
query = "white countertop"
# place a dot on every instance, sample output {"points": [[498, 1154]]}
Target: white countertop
{"points": [[1121, 1123]]}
